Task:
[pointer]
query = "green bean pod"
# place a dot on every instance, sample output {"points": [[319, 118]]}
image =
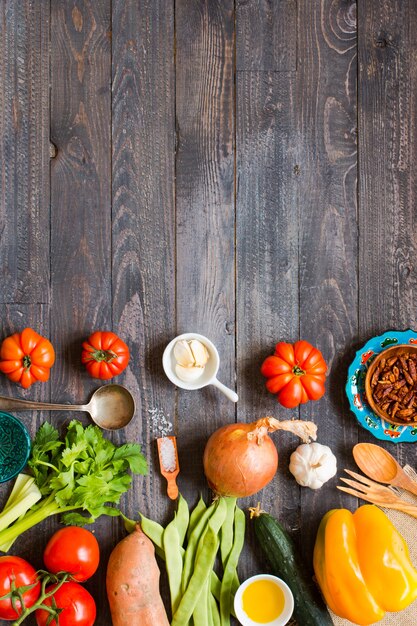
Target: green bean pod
{"points": [[174, 562], [214, 610], [193, 540], [182, 518], [205, 554], [226, 533], [203, 565], [230, 571], [195, 516], [155, 532], [202, 612]]}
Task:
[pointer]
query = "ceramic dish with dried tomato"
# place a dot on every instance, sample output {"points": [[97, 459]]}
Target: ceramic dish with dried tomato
{"points": [[391, 385]]}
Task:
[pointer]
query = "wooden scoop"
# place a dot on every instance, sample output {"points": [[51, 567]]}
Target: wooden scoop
{"points": [[380, 465], [168, 462]]}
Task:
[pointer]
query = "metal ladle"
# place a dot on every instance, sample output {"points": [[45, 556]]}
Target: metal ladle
{"points": [[111, 407]]}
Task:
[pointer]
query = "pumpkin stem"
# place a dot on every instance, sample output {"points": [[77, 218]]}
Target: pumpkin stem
{"points": [[265, 425]]}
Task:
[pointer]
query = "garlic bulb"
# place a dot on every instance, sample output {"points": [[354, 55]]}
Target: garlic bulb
{"points": [[191, 358], [312, 464]]}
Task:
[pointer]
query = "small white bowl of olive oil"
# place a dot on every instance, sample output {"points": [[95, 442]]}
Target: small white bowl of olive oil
{"points": [[264, 599]]}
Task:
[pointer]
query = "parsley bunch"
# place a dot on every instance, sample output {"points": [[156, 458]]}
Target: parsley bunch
{"points": [[80, 476]]}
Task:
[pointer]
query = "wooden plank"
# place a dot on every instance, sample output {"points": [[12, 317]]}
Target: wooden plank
{"points": [[205, 214], [326, 131], [387, 164], [267, 267], [24, 151], [387, 97], [266, 35], [80, 183], [81, 207], [144, 223]]}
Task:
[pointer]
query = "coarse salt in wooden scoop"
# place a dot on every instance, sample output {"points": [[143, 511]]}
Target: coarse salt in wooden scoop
{"points": [[168, 461]]}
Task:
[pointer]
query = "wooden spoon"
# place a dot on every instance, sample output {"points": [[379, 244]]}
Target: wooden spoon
{"points": [[380, 465], [168, 462]]}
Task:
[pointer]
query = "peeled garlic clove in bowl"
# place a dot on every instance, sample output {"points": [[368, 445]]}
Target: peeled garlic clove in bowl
{"points": [[191, 358], [188, 374], [200, 353], [182, 354]]}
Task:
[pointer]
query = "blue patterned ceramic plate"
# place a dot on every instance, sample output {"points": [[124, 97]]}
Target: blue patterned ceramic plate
{"points": [[355, 387], [14, 446]]}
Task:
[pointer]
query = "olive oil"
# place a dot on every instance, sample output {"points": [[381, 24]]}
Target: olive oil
{"points": [[263, 601]]}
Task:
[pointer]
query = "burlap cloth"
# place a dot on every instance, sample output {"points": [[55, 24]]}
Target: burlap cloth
{"points": [[407, 526]]}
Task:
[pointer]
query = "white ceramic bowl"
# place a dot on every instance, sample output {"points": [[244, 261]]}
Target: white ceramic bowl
{"points": [[208, 377], [288, 602]]}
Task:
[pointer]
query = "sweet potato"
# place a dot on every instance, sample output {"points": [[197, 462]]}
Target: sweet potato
{"points": [[133, 583]]}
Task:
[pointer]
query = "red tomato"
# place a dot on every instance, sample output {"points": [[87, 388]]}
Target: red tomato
{"points": [[105, 355], [13, 568], [26, 357], [79, 608], [296, 373], [74, 550]]}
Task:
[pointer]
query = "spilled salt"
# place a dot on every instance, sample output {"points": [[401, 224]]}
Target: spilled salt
{"points": [[161, 426], [167, 454]]}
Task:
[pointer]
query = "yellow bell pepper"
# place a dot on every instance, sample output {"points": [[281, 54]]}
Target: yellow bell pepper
{"points": [[362, 565]]}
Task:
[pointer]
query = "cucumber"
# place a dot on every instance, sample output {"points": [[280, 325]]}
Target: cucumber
{"points": [[279, 548]]}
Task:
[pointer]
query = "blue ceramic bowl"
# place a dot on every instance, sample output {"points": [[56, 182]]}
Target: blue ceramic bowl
{"points": [[355, 388], [14, 446]]}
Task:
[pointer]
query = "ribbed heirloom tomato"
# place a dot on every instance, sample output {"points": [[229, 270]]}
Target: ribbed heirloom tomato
{"points": [[105, 355], [296, 373], [72, 549], [77, 604], [26, 357], [16, 572]]}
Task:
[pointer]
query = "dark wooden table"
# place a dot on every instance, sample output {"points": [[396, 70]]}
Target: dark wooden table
{"points": [[245, 169]]}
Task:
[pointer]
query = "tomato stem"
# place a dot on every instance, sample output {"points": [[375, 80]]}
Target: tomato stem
{"points": [[298, 371], [58, 580], [103, 355], [27, 362]]}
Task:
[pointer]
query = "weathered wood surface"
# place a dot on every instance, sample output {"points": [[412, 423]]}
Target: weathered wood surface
{"points": [[24, 151], [244, 169]]}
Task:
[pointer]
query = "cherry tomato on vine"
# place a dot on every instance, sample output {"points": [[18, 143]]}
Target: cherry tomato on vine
{"points": [[105, 355], [15, 570], [77, 604], [72, 549]]}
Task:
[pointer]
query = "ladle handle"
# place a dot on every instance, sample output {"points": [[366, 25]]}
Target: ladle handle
{"points": [[15, 404], [229, 393]]}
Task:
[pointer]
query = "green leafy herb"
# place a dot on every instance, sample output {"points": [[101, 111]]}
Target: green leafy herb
{"points": [[80, 476]]}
